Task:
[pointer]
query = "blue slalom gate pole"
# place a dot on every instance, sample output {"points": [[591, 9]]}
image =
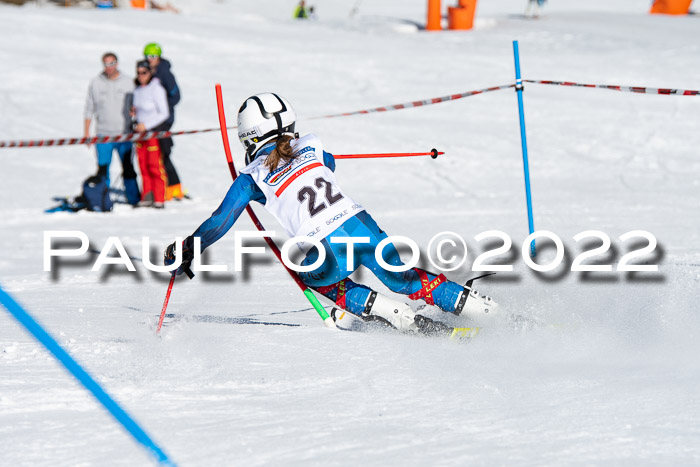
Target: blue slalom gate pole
{"points": [[523, 139], [83, 377]]}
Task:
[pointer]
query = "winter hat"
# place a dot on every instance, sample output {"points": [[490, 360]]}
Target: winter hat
{"points": [[143, 64], [152, 49]]}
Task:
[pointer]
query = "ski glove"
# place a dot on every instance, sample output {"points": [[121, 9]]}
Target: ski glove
{"points": [[187, 256]]}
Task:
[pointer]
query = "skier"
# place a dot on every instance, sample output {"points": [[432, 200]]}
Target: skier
{"points": [[293, 178]]}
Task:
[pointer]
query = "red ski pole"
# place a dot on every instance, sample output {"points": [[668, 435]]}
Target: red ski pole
{"points": [[328, 321], [165, 303], [433, 153]]}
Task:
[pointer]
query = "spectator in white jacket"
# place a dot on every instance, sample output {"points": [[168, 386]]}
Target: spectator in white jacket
{"points": [[150, 110]]}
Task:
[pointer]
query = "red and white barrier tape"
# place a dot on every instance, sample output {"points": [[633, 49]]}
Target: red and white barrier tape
{"points": [[408, 105], [133, 137], [128, 137], [637, 89]]}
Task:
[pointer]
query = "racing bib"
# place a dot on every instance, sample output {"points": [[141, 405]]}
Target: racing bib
{"points": [[303, 194]]}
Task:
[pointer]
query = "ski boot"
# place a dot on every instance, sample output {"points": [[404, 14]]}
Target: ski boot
{"points": [[400, 316], [392, 312], [147, 201], [474, 305], [174, 192]]}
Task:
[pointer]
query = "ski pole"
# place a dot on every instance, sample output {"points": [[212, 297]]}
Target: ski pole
{"points": [[165, 303], [327, 320], [433, 154]]}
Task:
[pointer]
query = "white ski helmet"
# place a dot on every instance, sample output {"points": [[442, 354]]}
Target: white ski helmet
{"points": [[261, 118]]}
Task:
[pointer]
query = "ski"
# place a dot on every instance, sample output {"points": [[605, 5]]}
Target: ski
{"points": [[427, 327], [432, 328], [66, 205]]}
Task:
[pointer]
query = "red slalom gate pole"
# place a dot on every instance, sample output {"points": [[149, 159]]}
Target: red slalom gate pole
{"points": [[165, 303], [433, 154], [327, 320]]}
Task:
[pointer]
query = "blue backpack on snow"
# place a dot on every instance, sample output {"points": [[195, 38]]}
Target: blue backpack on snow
{"points": [[96, 194]]}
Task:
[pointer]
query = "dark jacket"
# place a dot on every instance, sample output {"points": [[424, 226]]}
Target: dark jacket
{"points": [[167, 79]]}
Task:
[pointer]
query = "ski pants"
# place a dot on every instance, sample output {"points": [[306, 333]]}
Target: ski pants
{"points": [[166, 147], [327, 277], [104, 159], [152, 171]]}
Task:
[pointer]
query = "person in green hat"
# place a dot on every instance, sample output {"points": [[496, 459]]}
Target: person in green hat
{"points": [[161, 69]]}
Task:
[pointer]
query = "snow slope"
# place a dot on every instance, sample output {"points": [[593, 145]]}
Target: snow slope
{"points": [[613, 383]]}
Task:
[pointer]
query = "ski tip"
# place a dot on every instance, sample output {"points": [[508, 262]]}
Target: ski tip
{"points": [[464, 333]]}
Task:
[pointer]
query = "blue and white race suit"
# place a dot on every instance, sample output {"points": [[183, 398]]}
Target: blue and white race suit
{"points": [[303, 195]]}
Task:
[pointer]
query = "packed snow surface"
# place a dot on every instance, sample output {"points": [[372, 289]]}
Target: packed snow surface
{"points": [[246, 374]]}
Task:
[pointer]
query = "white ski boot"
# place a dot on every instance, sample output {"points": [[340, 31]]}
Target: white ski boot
{"points": [[473, 305], [396, 313]]}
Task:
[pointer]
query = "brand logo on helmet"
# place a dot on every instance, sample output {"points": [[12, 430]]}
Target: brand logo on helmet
{"points": [[250, 134]]}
